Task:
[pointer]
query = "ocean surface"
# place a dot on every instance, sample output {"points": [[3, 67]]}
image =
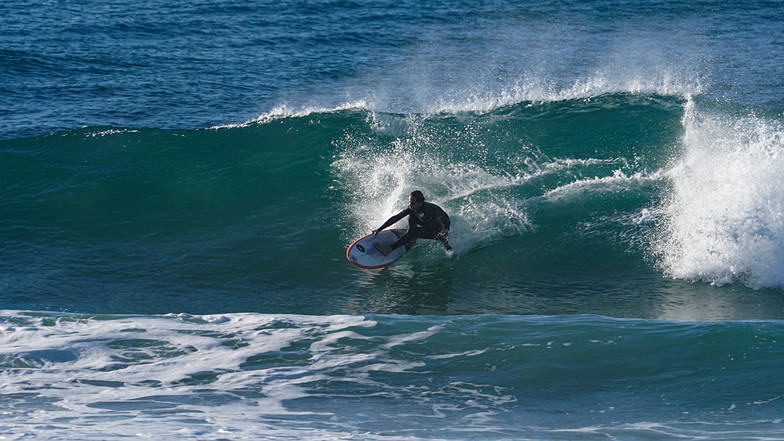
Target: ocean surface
{"points": [[179, 182]]}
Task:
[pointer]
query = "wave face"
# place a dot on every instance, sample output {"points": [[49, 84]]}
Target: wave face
{"points": [[265, 377], [551, 203]]}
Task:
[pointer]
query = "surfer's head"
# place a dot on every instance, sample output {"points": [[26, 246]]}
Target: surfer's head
{"points": [[415, 200]]}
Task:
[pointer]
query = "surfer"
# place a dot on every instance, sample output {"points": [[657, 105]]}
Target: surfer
{"points": [[425, 221]]}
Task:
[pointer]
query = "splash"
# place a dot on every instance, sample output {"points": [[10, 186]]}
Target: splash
{"points": [[725, 217], [379, 173]]}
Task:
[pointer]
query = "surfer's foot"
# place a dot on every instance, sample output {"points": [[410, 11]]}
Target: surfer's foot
{"points": [[383, 249]]}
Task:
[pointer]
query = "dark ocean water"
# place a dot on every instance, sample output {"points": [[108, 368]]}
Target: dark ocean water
{"points": [[179, 183]]}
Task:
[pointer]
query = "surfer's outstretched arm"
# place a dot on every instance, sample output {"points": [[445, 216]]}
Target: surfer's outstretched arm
{"points": [[393, 219]]}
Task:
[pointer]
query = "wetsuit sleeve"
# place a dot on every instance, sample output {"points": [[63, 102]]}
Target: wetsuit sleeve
{"points": [[395, 218]]}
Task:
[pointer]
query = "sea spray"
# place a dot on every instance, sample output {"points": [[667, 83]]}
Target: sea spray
{"points": [[447, 159], [725, 215]]}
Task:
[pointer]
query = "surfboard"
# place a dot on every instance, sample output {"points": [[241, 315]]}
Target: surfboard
{"points": [[363, 254]]}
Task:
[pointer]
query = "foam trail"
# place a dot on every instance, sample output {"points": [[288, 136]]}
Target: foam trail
{"points": [[725, 217], [617, 183]]}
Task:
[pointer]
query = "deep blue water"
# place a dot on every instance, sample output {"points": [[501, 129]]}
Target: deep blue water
{"points": [[179, 183]]}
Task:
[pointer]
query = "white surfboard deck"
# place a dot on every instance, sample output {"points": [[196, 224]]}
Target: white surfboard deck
{"points": [[363, 254]]}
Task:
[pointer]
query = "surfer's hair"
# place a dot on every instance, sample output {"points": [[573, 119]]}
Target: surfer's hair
{"points": [[418, 196]]}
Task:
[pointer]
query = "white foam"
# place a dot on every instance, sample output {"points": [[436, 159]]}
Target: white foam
{"points": [[283, 111], [724, 220], [604, 82], [222, 376], [147, 376], [139, 349], [617, 183], [398, 340]]}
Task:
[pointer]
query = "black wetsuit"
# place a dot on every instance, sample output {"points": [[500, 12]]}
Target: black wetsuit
{"points": [[430, 222]]}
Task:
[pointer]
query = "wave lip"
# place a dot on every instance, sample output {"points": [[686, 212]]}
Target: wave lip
{"points": [[477, 96], [284, 111], [601, 84]]}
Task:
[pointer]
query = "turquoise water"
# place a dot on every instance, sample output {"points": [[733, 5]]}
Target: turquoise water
{"points": [[179, 183]]}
